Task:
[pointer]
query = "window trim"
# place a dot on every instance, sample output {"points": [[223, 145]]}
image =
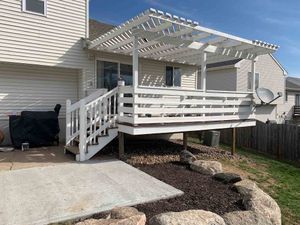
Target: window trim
{"points": [[250, 74], [119, 62], [35, 13], [173, 67]]}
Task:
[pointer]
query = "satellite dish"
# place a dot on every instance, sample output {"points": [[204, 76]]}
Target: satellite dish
{"points": [[266, 96]]}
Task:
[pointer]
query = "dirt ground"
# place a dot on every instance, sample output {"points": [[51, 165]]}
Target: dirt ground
{"points": [[200, 191]]}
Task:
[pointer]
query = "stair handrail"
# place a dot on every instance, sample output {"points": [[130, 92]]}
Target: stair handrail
{"points": [[73, 112]]}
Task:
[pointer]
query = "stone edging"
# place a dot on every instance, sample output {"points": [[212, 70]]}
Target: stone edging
{"points": [[261, 209]]}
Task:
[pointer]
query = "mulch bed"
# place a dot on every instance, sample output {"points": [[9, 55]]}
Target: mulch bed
{"points": [[200, 191], [160, 159]]}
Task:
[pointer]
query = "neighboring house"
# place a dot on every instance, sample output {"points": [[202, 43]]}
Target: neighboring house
{"points": [[235, 75], [293, 98], [50, 54]]}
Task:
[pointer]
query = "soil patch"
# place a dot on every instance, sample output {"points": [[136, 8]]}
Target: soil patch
{"points": [[201, 191]]}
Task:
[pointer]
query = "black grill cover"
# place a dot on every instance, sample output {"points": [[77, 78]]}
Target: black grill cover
{"points": [[36, 128]]}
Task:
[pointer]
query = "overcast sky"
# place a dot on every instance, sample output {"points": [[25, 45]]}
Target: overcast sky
{"points": [[273, 21]]}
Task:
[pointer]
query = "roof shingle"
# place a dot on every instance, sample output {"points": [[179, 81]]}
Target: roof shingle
{"points": [[98, 28]]}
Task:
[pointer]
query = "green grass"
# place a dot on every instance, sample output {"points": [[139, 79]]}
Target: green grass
{"points": [[279, 179]]}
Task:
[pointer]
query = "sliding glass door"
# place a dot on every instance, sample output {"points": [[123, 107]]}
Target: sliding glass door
{"points": [[108, 74]]}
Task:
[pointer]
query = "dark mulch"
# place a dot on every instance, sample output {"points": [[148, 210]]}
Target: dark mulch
{"points": [[201, 191]]}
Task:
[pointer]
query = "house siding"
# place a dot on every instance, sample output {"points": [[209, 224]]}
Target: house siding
{"points": [[151, 72], [224, 79], [271, 76], [38, 88], [52, 40], [288, 107]]}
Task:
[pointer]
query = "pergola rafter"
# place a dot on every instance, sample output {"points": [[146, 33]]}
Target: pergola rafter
{"points": [[167, 37]]}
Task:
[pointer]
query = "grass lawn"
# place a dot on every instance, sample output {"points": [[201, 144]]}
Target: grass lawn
{"points": [[279, 179]]}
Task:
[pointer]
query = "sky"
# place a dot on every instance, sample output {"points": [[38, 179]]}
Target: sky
{"points": [[273, 21]]}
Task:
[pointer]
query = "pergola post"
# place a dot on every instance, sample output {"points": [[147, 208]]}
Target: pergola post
{"points": [[135, 63], [253, 71], [203, 70], [135, 73]]}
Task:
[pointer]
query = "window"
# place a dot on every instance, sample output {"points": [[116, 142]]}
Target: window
{"points": [[108, 74], [35, 6], [250, 81], [173, 76]]}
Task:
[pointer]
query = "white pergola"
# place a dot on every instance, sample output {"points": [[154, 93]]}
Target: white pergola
{"points": [[161, 36]]}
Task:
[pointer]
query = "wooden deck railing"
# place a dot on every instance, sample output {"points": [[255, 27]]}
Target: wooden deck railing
{"points": [[296, 111], [90, 118], [155, 105]]}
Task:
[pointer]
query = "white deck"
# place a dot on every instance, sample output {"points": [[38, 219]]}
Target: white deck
{"points": [[58, 193]]}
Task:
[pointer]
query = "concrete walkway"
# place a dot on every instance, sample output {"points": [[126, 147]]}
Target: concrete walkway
{"points": [[43, 195]]}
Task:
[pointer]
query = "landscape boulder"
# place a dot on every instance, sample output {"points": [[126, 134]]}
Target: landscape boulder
{"points": [[227, 178], [256, 200], [187, 157], [123, 212], [119, 216], [206, 167], [245, 218], [190, 217]]}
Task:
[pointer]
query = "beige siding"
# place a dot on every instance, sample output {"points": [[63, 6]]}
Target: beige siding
{"points": [[271, 75], [224, 79], [52, 40], [151, 72], [287, 108], [38, 88], [24, 87]]}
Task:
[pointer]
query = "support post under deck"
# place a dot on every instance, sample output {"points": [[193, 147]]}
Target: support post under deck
{"points": [[233, 147], [121, 145], [185, 140]]}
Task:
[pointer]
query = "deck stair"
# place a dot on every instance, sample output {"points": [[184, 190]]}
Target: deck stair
{"points": [[91, 124]]}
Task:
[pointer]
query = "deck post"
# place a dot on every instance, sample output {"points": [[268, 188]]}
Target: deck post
{"points": [[253, 69], [83, 128], [185, 140], [203, 70], [68, 122], [135, 72], [121, 83], [121, 145], [233, 147], [135, 62]]}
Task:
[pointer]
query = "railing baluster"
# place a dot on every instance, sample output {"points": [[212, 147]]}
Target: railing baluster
{"points": [[115, 109], [91, 122], [109, 111]]}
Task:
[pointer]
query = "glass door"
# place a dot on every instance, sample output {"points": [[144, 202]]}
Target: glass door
{"points": [[108, 74]]}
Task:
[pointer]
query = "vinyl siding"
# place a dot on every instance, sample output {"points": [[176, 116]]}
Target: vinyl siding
{"points": [[224, 79], [287, 108], [52, 40], [271, 76], [24, 87], [38, 88], [151, 72]]}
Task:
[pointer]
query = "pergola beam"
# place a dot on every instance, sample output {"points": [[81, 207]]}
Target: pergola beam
{"points": [[163, 36]]}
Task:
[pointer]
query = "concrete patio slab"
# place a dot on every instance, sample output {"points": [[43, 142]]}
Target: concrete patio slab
{"points": [[43, 195]]}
